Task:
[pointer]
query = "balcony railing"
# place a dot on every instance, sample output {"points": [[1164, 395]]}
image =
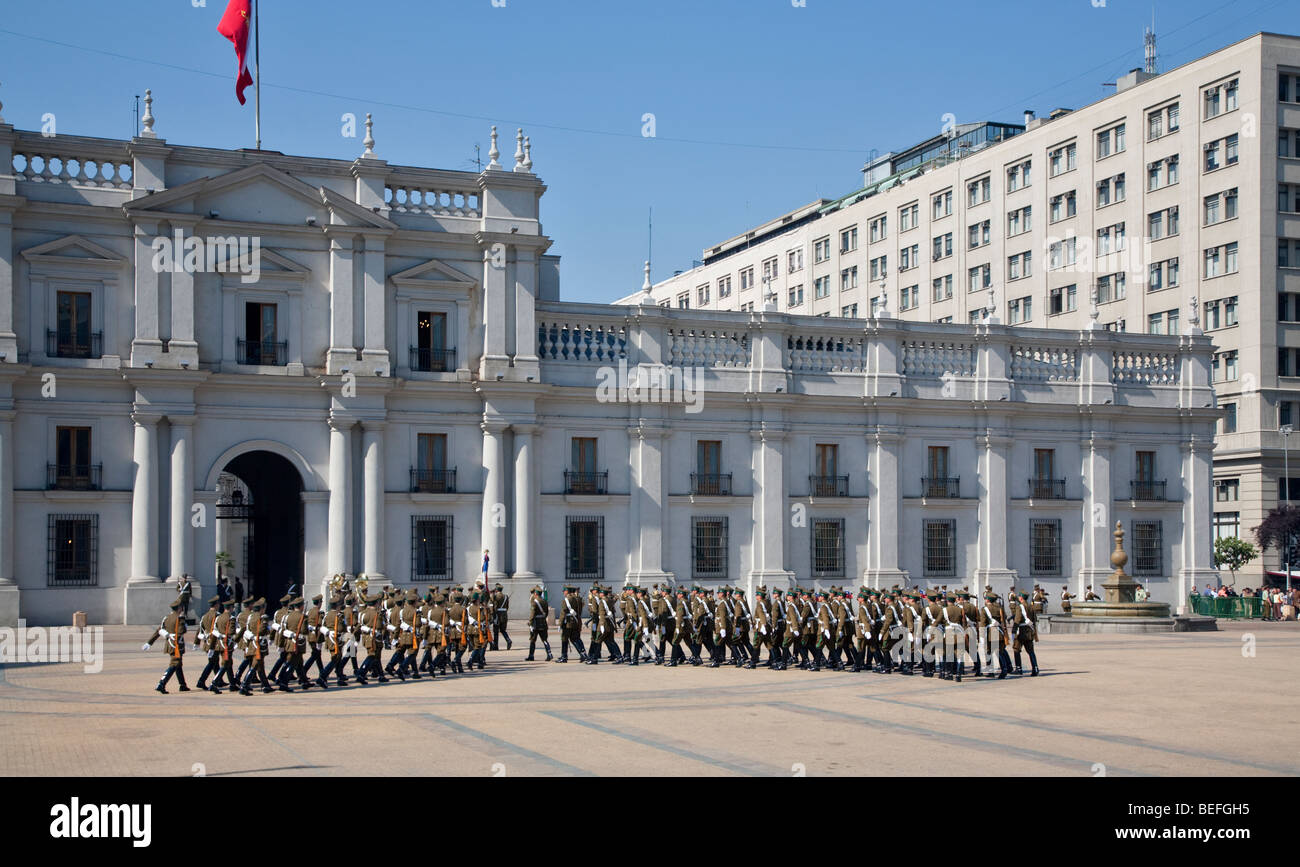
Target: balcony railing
{"points": [[266, 352], [71, 347], [74, 477], [828, 486], [432, 360], [941, 488], [433, 481], [586, 483], [1146, 489], [1047, 489], [711, 484]]}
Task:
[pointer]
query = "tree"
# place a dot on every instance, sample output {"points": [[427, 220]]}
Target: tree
{"points": [[1234, 553], [1279, 529], [224, 561]]}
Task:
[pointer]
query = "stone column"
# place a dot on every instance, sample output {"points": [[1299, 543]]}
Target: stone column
{"points": [[770, 521], [144, 500], [885, 446], [146, 345], [495, 358], [647, 505], [375, 351], [372, 449], [182, 346], [1197, 521], [526, 504], [991, 569], [1098, 514], [8, 339], [494, 496], [9, 593], [525, 356], [182, 496], [342, 351], [340, 508]]}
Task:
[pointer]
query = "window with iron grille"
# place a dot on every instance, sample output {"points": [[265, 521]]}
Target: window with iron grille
{"points": [[828, 548], [1148, 548], [584, 542], [1044, 546], [940, 548], [74, 551], [709, 547], [431, 547]]}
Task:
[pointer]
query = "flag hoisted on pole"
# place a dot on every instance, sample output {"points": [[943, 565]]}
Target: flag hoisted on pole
{"points": [[235, 26]]}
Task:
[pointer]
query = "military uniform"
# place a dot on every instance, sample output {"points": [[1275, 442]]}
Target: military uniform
{"points": [[993, 632], [256, 637], [778, 629], [762, 627], [954, 638], [478, 630], [539, 614], [571, 624], [205, 640], [373, 628], [172, 629], [1024, 627], [722, 615], [681, 626], [315, 616], [793, 639], [276, 627], [500, 604], [972, 637], [457, 630], [293, 638], [1066, 596], [224, 638]]}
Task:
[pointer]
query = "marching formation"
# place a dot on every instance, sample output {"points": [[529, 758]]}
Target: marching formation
{"points": [[441, 630], [886, 631]]}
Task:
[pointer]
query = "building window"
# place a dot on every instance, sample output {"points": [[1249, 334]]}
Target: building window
{"points": [[796, 295], [1111, 190], [821, 250], [1063, 206], [73, 559], [431, 473], [1229, 418], [771, 269], [879, 267], [979, 277], [1110, 141], [822, 287], [724, 286], [794, 262], [1227, 490], [978, 192], [1221, 260], [1020, 265], [72, 469], [849, 312], [1018, 176], [684, 301], [1162, 224], [1227, 525], [1111, 287], [1018, 221], [1162, 173], [1148, 548], [430, 352], [1162, 121], [1044, 546], [1221, 153], [909, 257], [849, 279], [702, 294], [1020, 310], [708, 547], [910, 297], [941, 288], [828, 548], [1062, 160], [72, 337], [747, 278], [1164, 275], [431, 548], [849, 240], [942, 246], [977, 235], [940, 548], [879, 228], [909, 217], [1062, 253], [584, 544], [259, 344], [941, 204], [1063, 299]]}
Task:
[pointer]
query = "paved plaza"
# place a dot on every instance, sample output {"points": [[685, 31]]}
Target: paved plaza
{"points": [[1177, 704]]}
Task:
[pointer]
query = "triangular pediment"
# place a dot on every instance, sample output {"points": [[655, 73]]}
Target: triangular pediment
{"points": [[435, 273], [270, 264], [73, 249], [259, 193]]}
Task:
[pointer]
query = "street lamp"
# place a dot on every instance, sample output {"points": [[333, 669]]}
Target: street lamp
{"points": [[1285, 430]]}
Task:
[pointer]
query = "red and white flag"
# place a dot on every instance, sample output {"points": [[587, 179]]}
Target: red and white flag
{"points": [[235, 26]]}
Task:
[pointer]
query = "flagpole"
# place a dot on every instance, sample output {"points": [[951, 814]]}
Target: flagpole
{"points": [[257, 75]]}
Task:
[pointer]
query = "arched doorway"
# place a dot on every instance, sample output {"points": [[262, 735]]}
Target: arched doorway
{"points": [[273, 511]]}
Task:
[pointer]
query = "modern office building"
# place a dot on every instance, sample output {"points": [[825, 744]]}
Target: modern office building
{"points": [[1176, 198], [323, 367]]}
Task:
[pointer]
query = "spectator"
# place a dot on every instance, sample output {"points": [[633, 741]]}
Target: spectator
{"points": [[1141, 593], [239, 591]]}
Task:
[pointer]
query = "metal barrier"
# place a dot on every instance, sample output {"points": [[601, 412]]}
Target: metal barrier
{"points": [[1229, 607]]}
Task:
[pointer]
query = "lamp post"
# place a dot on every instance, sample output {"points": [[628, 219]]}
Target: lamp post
{"points": [[1285, 430]]}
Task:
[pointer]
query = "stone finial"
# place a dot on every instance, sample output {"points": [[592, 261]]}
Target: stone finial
{"points": [[494, 155], [1194, 309], [528, 154], [645, 286], [147, 120], [519, 150], [369, 140]]}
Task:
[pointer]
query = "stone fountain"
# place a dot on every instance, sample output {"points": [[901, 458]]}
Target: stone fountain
{"points": [[1120, 611]]}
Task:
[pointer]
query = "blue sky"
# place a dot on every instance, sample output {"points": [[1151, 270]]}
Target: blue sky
{"points": [[760, 105]]}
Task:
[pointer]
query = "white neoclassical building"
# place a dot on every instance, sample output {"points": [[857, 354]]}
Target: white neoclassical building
{"points": [[318, 366]]}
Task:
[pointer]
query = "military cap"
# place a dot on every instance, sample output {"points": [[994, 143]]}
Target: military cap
{"points": [[176, 603], [215, 600], [317, 598], [286, 599], [536, 589], [412, 595], [498, 586]]}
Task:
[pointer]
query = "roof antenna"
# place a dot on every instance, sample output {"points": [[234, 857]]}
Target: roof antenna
{"points": [[1149, 38]]}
